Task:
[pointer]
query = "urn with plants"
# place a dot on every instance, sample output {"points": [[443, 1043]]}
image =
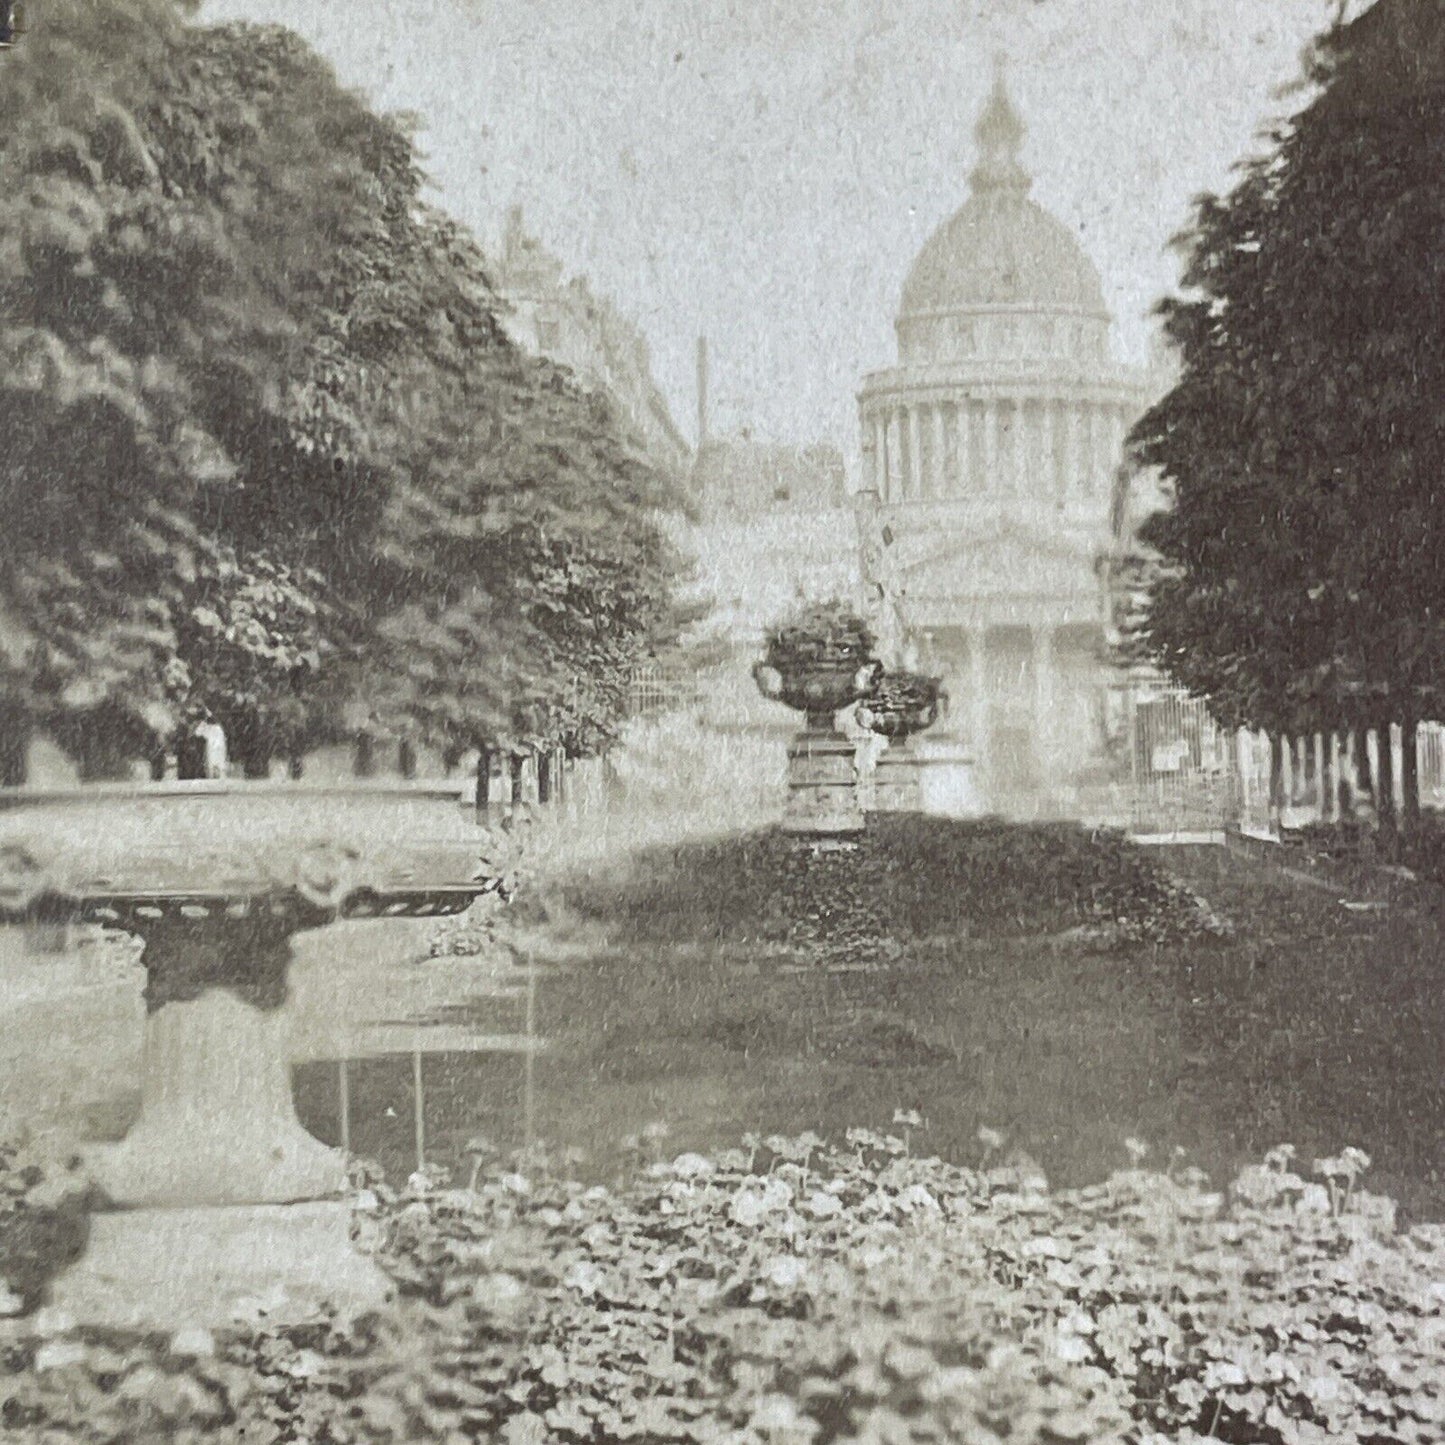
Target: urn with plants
{"points": [[901, 704], [818, 659]]}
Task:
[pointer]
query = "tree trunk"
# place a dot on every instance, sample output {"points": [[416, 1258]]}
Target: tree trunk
{"points": [[363, 762], [1385, 786], [406, 758], [544, 777], [191, 757], [1276, 778], [1410, 773], [517, 762], [103, 760], [14, 747], [484, 782], [451, 756], [1363, 772], [296, 767], [1329, 803]]}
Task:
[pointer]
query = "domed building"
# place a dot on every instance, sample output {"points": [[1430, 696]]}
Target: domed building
{"points": [[989, 457]]}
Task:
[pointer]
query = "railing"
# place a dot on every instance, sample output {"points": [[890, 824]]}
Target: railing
{"points": [[653, 691]]}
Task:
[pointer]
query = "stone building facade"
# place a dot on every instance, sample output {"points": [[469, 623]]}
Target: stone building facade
{"points": [[560, 317], [991, 453], [774, 525]]}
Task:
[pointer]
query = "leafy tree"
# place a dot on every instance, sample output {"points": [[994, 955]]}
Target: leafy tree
{"points": [[1302, 564], [302, 458], [169, 191]]}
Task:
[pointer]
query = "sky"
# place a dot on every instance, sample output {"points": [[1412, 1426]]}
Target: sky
{"points": [[764, 171]]}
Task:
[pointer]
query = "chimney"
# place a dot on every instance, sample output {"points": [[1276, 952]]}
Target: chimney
{"points": [[701, 392]]}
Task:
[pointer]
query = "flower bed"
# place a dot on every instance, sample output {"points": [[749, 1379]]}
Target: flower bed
{"points": [[791, 1292]]}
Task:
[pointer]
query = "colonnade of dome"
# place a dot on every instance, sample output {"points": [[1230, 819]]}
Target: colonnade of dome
{"points": [[1039, 448]]}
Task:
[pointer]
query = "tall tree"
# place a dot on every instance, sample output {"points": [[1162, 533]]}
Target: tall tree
{"points": [[1302, 577]]}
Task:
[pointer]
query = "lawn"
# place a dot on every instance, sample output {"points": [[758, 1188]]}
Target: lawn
{"points": [[978, 973]]}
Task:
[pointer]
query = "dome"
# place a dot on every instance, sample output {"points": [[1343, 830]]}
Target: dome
{"points": [[1001, 251]]}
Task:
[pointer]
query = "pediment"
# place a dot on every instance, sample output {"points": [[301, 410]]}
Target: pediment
{"points": [[1009, 561]]}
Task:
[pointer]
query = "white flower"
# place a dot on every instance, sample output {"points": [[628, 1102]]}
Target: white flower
{"points": [[748, 1209], [691, 1166], [193, 1341], [917, 1197], [822, 1205], [499, 1289], [1072, 1349], [785, 1271], [583, 1276], [779, 1413], [59, 1355]]}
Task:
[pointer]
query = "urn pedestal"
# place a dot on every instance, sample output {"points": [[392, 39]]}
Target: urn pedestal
{"points": [[822, 785], [216, 879], [823, 797], [897, 779]]}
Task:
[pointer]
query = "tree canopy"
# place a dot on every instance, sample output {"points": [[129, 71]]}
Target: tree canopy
{"points": [[269, 449], [1300, 575]]}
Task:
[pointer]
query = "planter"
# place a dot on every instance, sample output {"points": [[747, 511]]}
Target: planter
{"points": [[822, 762], [818, 690], [216, 878], [898, 708]]}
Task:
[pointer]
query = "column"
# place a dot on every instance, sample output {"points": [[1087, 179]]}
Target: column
{"points": [[1014, 465], [990, 446], [1038, 475], [893, 445], [1057, 471], [1108, 430], [978, 694], [1043, 644], [960, 482], [1073, 453], [915, 453], [880, 456], [939, 487]]}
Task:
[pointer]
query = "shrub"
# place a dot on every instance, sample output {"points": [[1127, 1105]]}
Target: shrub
{"points": [[829, 634]]}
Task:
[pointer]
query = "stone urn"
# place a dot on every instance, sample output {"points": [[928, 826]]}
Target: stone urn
{"points": [[899, 707], [819, 662], [217, 1192]]}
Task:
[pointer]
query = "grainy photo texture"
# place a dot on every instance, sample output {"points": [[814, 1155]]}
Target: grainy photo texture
{"points": [[722, 722]]}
